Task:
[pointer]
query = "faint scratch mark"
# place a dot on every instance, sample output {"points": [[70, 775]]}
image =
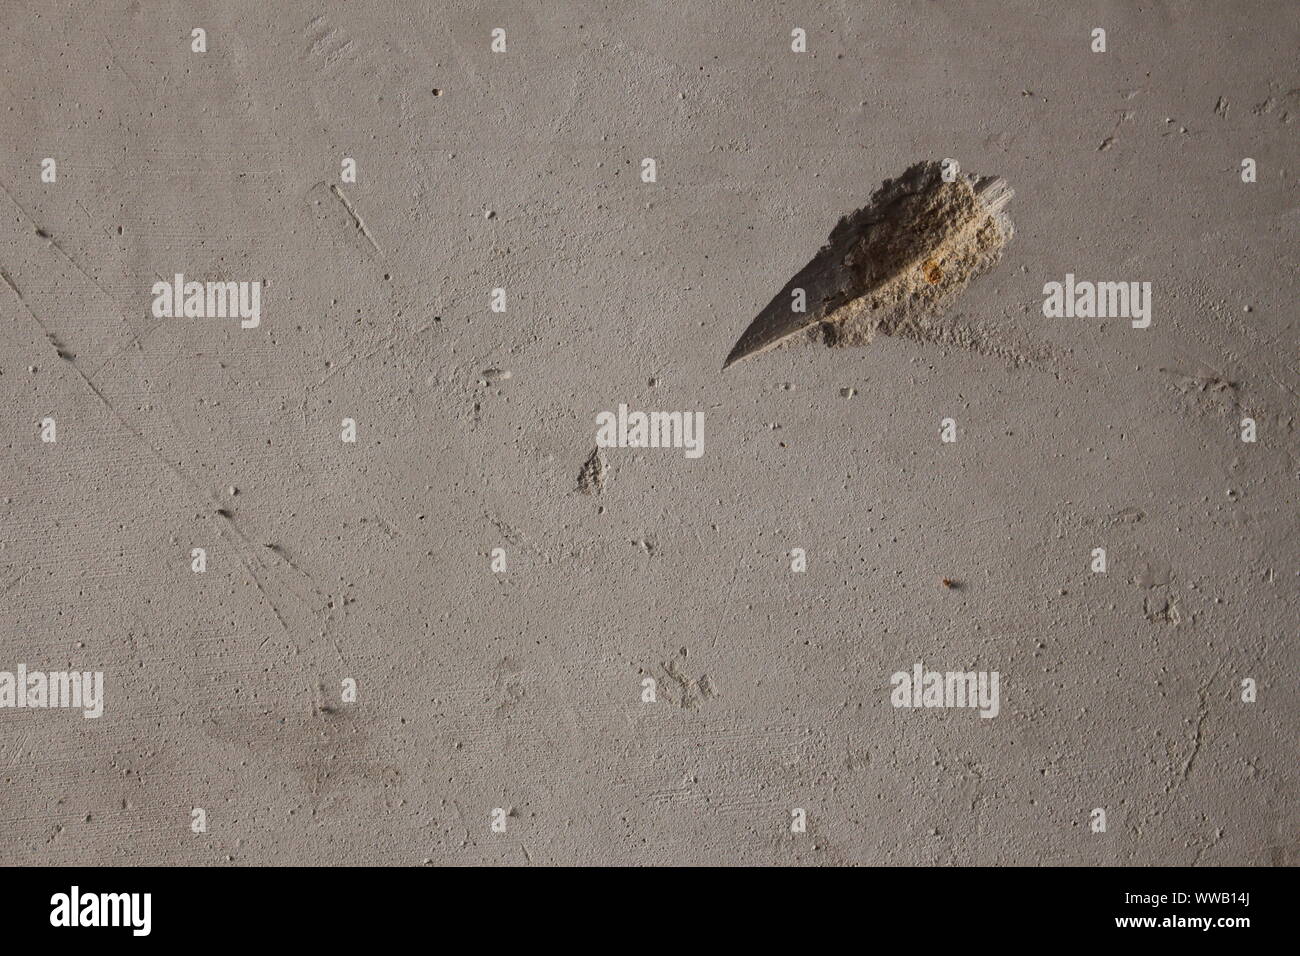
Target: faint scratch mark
{"points": [[356, 217], [139, 436], [54, 244]]}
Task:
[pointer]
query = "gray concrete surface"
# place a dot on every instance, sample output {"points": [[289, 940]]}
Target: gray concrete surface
{"points": [[372, 561]]}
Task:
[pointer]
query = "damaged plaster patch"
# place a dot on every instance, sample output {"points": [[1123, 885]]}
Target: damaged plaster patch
{"points": [[690, 692], [1162, 609], [1201, 378], [591, 478], [1161, 605], [894, 267], [1279, 102]]}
